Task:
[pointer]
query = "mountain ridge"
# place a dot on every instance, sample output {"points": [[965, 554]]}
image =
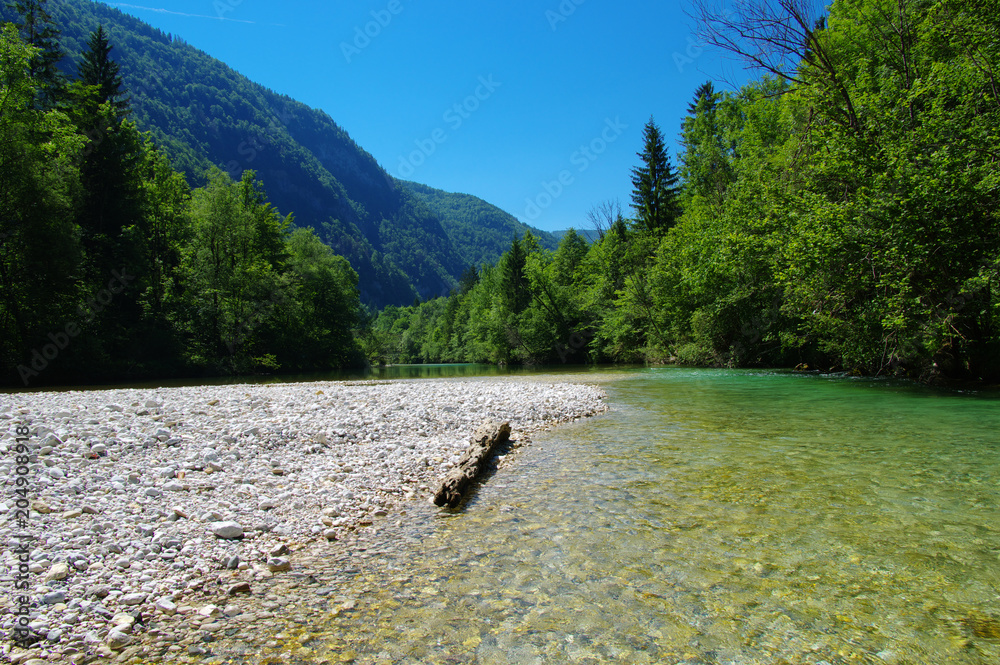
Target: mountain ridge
{"points": [[203, 113]]}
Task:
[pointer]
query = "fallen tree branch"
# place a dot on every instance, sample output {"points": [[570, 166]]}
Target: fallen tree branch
{"points": [[484, 443]]}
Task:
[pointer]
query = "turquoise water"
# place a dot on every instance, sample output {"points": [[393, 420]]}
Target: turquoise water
{"points": [[711, 517]]}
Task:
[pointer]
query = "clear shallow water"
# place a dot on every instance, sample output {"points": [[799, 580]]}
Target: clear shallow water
{"points": [[384, 373], [711, 517]]}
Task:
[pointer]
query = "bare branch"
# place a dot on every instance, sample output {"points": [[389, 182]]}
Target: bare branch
{"points": [[782, 37], [603, 215]]}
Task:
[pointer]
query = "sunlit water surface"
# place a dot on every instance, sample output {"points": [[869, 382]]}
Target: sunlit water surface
{"points": [[710, 517]]}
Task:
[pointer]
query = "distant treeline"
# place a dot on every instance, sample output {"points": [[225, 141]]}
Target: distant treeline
{"points": [[840, 213]]}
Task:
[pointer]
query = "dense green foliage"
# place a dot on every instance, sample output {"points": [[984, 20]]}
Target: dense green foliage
{"points": [[845, 216], [203, 115], [842, 215], [111, 267]]}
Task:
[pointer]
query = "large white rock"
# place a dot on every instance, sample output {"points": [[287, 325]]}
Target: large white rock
{"points": [[227, 530], [59, 571]]}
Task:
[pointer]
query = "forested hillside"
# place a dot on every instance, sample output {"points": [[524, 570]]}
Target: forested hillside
{"points": [[111, 267], [481, 231], [204, 114], [840, 213]]}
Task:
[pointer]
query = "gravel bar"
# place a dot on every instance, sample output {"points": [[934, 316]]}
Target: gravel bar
{"points": [[154, 511]]}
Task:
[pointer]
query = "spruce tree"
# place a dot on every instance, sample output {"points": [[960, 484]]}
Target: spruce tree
{"points": [[705, 161], [516, 291], [39, 30], [97, 69], [112, 215], [706, 93], [654, 185]]}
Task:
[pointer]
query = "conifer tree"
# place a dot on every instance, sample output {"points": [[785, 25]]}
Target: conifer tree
{"points": [[39, 30], [99, 70], [654, 183], [705, 162], [514, 280], [706, 92]]}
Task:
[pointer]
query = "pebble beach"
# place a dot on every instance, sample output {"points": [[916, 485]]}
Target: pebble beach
{"points": [[158, 517]]}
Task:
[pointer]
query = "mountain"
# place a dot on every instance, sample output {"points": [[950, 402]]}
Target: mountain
{"points": [[404, 240], [480, 230]]}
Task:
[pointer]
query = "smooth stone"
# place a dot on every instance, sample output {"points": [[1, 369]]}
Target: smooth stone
{"points": [[123, 619], [117, 640], [134, 599], [278, 564], [59, 571], [54, 598], [210, 611], [166, 606], [241, 587], [100, 591], [227, 530]]}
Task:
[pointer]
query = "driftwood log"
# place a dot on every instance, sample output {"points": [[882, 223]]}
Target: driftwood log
{"points": [[484, 443]]}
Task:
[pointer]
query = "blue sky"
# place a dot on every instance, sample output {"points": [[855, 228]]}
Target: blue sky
{"points": [[536, 106]]}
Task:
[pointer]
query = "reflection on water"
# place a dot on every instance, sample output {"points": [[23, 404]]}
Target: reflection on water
{"points": [[383, 373], [712, 517]]}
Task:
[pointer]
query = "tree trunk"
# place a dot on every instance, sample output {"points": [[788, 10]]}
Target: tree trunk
{"points": [[482, 446]]}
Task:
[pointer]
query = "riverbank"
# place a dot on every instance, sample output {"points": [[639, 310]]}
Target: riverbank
{"points": [[161, 514]]}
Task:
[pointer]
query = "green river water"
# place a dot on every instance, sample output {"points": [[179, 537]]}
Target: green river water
{"points": [[728, 517]]}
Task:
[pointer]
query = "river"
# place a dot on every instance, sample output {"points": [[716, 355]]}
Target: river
{"points": [[712, 516], [715, 517]]}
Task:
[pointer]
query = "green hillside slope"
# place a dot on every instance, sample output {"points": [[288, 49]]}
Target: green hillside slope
{"points": [[203, 113]]}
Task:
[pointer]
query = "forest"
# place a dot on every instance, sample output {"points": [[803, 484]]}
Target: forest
{"points": [[112, 267], [201, 113], [839, 213]]}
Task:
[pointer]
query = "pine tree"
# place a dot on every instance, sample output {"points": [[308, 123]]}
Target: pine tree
{"points": [[514, 280], [39, 30], [112, 212], [654, 183], [99, 70], [706, 92], [705, 162]]}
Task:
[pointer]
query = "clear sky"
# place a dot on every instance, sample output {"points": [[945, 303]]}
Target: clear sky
{"points": [[536, 106]]}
